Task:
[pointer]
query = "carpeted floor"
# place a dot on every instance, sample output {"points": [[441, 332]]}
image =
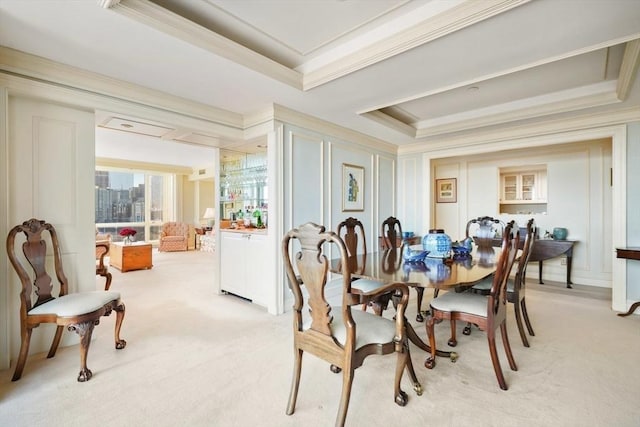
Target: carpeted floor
{"points": [[198, 359]]}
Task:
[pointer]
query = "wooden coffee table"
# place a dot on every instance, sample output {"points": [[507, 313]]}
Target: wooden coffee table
{"points": [[134, 256]]}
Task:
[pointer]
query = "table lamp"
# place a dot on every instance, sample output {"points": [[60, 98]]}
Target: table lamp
{"points": [[209, 215]]}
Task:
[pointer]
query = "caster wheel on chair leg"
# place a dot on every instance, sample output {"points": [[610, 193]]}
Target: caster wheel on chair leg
{"points": [[430, 362], [402, 398], [417, 387], [453, 356]]}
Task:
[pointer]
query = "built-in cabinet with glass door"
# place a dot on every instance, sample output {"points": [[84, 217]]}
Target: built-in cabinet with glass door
{"points": [[243, 224], [523, 191]]}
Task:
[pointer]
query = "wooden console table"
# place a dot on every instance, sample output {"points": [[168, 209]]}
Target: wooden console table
{"points": [[544, 249], [629, 253], [135, 256]]}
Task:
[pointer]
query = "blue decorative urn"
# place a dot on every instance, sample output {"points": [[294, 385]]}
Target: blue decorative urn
{"points": [[437, 243]]}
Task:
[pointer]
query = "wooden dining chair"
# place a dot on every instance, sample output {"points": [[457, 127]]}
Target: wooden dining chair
{"points": [[103, 242], [351, 231], [78, 312], [516, 285], [335, 333], [484, 229], [489, 313], [391, 232]]}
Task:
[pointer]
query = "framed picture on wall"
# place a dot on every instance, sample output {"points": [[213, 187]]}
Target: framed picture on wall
{"points": [[352, 188], [446, 191]]}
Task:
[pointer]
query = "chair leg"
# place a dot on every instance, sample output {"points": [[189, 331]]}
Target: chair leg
{"points": [[107, 284], [526, 317], [507, 347], [347, 382], [400, 397], [430, 363], [518, 314], [417, 387], [24, 351], [120, 310], [467, 329], [452, 341], [420, 294], [55, 342], [295, 382], [491, 338], [84, 330]]}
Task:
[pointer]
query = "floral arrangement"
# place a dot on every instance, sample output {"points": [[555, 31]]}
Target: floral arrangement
{"points": [[127, 232]]}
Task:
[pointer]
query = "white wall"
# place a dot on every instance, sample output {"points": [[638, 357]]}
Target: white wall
{"points": [[633, 207], [50, 170], [579, 198], [312, 181]]}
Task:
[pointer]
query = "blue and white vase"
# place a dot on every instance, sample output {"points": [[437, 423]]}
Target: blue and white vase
{"points": [[437, 243]]}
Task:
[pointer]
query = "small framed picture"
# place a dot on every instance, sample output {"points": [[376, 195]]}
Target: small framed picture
{"points": [[352, 188], [446, 191]]}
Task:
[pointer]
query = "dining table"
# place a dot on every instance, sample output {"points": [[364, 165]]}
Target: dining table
{"points": [[451, 274]]}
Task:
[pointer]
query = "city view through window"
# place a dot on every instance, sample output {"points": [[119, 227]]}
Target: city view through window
{"points": [[129, 200]]}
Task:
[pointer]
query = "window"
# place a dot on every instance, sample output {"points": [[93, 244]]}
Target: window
{"points": [[135, 200]]}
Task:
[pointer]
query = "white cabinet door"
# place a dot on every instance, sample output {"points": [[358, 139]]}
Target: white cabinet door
{"points": [[233, 260], [257, 268]]}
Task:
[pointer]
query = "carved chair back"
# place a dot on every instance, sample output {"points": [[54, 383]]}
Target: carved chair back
{"points": [[391, 233], [483, 229]]}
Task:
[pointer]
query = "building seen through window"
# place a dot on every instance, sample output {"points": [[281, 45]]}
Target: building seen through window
{"points": [[129, 200]]}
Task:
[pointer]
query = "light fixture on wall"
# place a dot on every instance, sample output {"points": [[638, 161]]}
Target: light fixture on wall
{"points": [[209, 215]]}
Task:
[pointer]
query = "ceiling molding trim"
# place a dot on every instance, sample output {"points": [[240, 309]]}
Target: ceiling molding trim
{"points": [[143, 166], [163, 20], [258, 124], [466, 121], [502, 73], [106, 4], [454, 19], [40, 68], [29, 74], [511, 133], [628, 69], [391, 122], [287, 115]]}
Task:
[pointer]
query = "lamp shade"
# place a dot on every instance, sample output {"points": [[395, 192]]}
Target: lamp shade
{"points": [[209, 214]]}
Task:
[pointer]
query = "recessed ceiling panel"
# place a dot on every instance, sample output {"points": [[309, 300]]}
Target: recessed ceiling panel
{"points": [[304, 26], [575, 72], [142, 128]]}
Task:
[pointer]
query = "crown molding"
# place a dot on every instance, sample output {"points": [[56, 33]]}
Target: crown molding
{"points": [[106, 4], [293, 117], [143, 166], [27, 71], [454, 19], [628, 69], [391, 122], [511, 113], [509, 134], [561, 102], [163, 20]]}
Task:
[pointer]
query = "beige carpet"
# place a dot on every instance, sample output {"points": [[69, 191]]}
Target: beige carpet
{"points": [[197, 359]]}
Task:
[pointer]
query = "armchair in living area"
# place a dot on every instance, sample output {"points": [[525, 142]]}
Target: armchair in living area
{"points": [[174, 236]]}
